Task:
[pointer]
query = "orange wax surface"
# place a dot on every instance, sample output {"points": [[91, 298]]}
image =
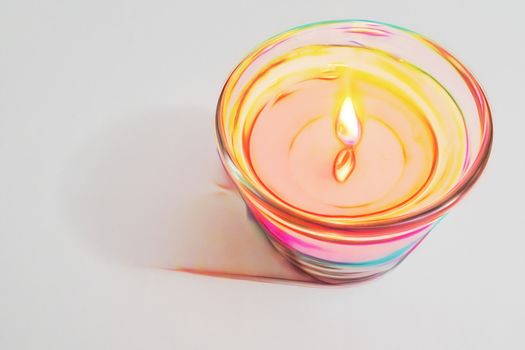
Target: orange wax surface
{"points": [[401, 159]]}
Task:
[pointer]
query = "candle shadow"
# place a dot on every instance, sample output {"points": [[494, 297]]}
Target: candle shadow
{"points": [[152, 193]]}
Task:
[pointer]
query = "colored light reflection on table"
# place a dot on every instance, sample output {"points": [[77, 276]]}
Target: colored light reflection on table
{"points": [[342, 135]]}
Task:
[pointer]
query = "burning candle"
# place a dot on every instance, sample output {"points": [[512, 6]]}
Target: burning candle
{"points": [[348, 141], [348, 130]]}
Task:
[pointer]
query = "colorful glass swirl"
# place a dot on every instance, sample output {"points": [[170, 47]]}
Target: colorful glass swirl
{"points": [[425, 136]]}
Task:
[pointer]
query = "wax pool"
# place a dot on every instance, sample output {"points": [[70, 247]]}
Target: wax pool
{"points": [[404, 157]]}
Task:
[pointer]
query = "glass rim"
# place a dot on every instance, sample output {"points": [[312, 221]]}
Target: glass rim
{"points": [[432, 212]]}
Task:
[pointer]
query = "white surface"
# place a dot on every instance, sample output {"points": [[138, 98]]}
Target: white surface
{"points": [[107, 161]]}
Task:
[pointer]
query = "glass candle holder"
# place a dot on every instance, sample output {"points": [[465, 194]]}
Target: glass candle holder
{"points": [[347, 203]]}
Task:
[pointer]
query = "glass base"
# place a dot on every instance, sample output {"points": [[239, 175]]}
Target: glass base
{"points": [[338, 272], [333, 273]]}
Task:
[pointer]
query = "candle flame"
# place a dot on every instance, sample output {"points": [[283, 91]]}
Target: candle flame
{"points": [[347, 126]]}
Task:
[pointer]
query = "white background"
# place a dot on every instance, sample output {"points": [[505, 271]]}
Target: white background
{"points": [[107, 171]]}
